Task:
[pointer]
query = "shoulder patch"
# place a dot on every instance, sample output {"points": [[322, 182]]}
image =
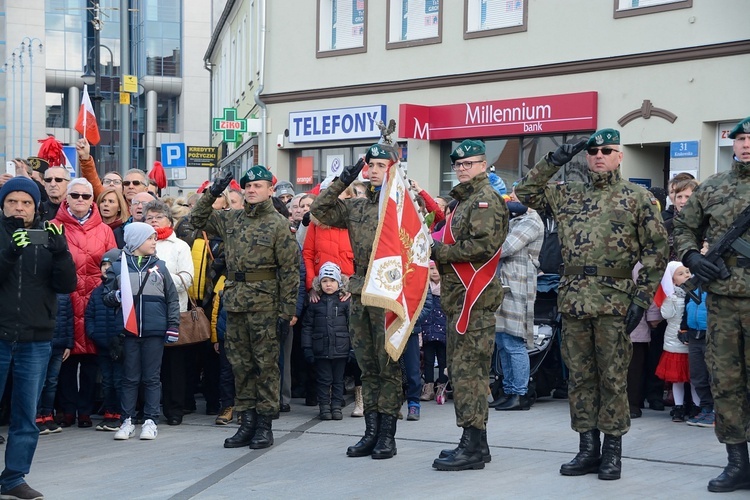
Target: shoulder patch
{"points": [[482, 204]]}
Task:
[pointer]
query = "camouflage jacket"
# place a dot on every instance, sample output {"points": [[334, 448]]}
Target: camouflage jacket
{"points": [[709, 212], [606, 222], [479, 225], [359, 216], [256, 238]]}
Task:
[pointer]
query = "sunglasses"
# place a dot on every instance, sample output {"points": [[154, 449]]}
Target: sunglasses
{"points": [[128, 183], [56, 179], [605, 151], [85, 196]]}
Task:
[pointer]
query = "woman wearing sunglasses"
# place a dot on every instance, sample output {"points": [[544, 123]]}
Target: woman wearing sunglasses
{"points": [[88, 239]]}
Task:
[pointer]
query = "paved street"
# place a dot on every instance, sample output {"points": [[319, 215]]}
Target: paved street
{"points": [[661, 460]]}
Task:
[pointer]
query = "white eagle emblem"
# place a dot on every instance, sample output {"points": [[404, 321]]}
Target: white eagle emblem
{"points": [[374, 151], [746, 127], [599, 139]]}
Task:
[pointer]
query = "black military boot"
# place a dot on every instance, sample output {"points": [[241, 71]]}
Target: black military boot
{"points": [[588, 458], [365, 445], [736, 475], [386, 445], [468, 456], [611, 465], [263, 437], [484, 447], [243, 436]]}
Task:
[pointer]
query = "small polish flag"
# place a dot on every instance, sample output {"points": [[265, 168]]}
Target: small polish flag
{"points": [[86, 122], [126, 298], [482, 204], [666, 287]]}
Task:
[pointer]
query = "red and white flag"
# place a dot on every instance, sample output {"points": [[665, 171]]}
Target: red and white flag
{"points": [[398, 274], [666, 287], [126, 298], [86, 122]]}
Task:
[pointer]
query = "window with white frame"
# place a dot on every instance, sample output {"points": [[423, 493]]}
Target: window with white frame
{"points": [[627, 8], [342, 27], [413, 22], [494, 17]]}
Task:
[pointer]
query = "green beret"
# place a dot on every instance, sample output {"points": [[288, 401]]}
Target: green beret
{"points": [[467, 149], [381, 152], [742, 127], [256, 173], [604, 137]]}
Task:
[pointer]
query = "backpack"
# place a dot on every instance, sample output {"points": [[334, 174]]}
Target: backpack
{"points": [[550, 256]]}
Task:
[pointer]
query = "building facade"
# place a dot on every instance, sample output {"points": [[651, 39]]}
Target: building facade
{"points": [[43, 82], [523, 75]]}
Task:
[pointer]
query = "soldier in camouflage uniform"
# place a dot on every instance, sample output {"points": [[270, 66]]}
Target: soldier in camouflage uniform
{"points": [[606, 225], [381, 377], [474, 234], [260, 296], [712, 208]]}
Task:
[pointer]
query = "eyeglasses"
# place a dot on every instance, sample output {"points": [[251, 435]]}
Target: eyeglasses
{"points": [[85, 196], [155, 217], [136, 203], [58, 180], [464, 165], [115, 182], [605, 151], [135, 183]]}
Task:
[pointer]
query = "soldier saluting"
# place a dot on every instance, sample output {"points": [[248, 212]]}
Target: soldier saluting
{"points": [[713, 207], [606, 225], [260, 296]]}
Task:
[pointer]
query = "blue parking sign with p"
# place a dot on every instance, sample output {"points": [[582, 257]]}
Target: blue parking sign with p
{"points": [[173, 155]]}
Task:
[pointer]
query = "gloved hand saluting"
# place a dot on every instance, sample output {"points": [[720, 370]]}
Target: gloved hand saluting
{"points": [[221, 182], [701, 266], [57, 243], [633, 317], [18, 241], [350, 173], [566, 152]]}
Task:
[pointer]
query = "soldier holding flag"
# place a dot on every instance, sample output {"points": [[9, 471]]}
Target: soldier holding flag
{"points": [[467, 259]]}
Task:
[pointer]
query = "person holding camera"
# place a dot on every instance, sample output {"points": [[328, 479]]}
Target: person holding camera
{"points": [[36, 265]]}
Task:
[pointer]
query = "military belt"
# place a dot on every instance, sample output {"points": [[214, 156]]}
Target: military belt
{"points": [[597, 271], [735, 261], [251, 276]]}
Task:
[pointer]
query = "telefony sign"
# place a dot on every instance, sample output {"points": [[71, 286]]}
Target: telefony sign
{"points": [[336, 124]]}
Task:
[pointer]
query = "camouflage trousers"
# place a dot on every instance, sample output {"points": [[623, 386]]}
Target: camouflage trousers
{"points": [[597, 352], [469, 357], [728, 359], [252, 348], [381, 376]]}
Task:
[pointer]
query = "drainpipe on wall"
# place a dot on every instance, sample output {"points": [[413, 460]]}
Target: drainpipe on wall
{"points": [[262, 158]]}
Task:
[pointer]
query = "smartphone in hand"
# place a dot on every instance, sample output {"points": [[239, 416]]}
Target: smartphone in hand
{"points": [[10, 167]]}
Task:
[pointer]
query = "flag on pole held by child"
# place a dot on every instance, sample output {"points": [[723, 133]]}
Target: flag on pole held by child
{"points": [[126, 298], [86, 122], [398, 273]]}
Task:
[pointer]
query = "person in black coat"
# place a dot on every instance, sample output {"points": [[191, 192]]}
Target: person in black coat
{"points": [[325, 339]]}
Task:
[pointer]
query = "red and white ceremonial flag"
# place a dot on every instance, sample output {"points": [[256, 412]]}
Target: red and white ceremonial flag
{"points": [[86, 122], [126, 298], [398, 274]]}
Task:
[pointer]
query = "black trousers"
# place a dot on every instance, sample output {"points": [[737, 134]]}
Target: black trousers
{"points": [[637, 375], [174, 380], [699, 375], [655, 385], [76, 391], [330, 381], [434, 350]]}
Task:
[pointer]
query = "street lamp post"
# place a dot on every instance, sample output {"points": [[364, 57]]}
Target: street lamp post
{"points": [[92, 77]]}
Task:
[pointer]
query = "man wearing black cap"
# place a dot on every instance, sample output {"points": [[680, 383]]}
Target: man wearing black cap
{"points": [[260, 296], [33, 273], [606, 225], [714, 206]]}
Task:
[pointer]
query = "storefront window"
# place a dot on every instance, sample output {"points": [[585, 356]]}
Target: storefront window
{"points": [[310, 166]]}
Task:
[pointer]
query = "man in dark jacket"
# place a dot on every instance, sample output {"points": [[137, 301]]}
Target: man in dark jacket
{"points": [[33, 273]]}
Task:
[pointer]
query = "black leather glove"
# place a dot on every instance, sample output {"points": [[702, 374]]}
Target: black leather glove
{"points": [[633, 317], [566, 152], [684, 336], [18, 241], [115, 347], [306, 219], [701, 266], [350, 173], [352, 358], [221, 182], [309, 356], [57, 243]]}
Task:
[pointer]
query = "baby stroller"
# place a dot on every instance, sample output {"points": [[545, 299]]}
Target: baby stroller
{"points": [[546, 367]]}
